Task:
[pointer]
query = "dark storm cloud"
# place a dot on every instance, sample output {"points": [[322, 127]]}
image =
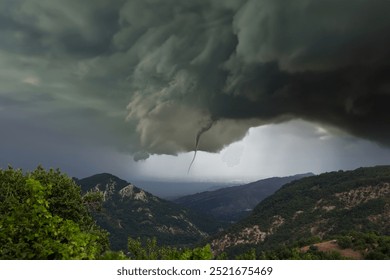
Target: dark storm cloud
{"points": [[58, 27], [263, 61], [325, 61], [178, 66]]}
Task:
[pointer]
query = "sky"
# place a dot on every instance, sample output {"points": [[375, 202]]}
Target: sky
{"points": [[256, 88]]}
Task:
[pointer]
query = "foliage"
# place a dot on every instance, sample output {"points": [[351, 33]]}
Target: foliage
{"points": [[151, 251], [249, 255], [93, 201], [42, 217], [289, 253], [113, 255], [373, 245]]}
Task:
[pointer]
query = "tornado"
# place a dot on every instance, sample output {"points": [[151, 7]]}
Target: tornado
{"points": [[197, 139]]}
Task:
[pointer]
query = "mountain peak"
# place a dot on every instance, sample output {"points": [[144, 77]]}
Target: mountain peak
{"points": [[101, 181]]}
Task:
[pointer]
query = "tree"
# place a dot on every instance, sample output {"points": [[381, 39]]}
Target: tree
{"points": [[42, 217], [151, 251]]}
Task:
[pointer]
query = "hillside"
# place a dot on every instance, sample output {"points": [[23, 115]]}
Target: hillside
{"points": [[130, 211], [318, 206], [234, 203]]}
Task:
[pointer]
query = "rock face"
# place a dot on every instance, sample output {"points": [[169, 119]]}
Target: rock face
{"points": [[131, 211], [321, 206], [362, 195], [247, 235], [131, 192]]}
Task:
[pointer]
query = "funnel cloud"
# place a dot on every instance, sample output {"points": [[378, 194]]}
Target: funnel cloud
{"points": [[198, 135]]}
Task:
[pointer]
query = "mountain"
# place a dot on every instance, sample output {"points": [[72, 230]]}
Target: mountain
{"points": [[233, 203], [315, 207], [131, 211]]}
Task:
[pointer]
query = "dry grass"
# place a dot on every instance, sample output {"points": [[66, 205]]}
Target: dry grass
{"points": [[332, 246]]}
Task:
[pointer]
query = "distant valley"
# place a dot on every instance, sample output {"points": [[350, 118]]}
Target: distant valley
{"points": [[231, 204], [174, 189]]}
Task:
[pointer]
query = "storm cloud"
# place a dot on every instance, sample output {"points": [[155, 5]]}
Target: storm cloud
{"points": [[151, 75]]}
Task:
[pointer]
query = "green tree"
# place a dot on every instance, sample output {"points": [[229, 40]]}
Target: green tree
{"points": [[150, 250], [36, 224], [249, 255]]}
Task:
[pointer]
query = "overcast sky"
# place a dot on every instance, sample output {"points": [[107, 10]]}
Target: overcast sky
{"points": [[134, 87]]}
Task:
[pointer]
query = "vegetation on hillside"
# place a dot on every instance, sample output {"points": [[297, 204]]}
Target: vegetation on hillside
{"points": [[372, 245], [44, 215], [349, 245], [325, 205]]}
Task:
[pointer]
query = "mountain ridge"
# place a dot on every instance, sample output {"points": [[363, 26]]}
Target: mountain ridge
{"points": [[320, 206]]}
